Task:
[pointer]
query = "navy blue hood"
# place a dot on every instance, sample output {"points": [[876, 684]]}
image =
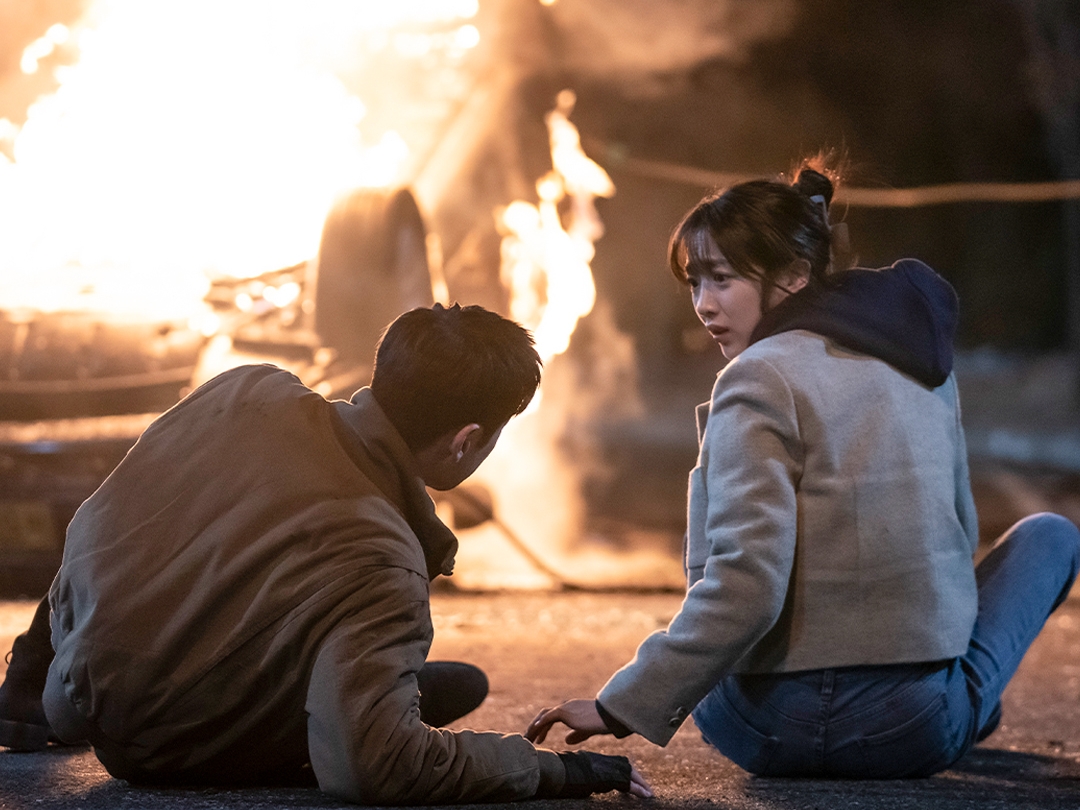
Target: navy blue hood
{"points": [[904, 314]]}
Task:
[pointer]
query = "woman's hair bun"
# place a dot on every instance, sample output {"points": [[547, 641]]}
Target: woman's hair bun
{"points": [[811, 183]]}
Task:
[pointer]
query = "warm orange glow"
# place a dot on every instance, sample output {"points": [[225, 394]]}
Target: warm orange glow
{"points": [[192, 140], [196, 138]]}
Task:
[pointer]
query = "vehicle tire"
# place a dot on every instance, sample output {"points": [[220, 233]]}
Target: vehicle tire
{"points": [[371, 266]]}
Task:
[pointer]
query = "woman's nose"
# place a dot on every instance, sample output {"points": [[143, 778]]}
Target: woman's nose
{"points": [[704, 301]]}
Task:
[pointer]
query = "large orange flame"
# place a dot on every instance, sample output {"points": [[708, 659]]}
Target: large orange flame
{"points": [[539, 539], [546, 260], [196, 138]]}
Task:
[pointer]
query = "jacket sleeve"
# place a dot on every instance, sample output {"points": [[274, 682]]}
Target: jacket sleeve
{"points": [[750, 461], [965, 501], [365, 737]]}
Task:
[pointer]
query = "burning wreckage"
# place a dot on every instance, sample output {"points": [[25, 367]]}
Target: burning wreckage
{"points": [[79, 381], [78, 387]]}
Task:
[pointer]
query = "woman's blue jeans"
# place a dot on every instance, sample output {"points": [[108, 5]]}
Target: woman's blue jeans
{"points": [[903, 720]]}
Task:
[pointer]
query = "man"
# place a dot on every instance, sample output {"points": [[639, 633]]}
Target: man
{"points": [[245, 598]]}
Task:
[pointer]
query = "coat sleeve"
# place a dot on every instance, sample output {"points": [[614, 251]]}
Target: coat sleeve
{"points": [[965, 500], [750, 461], [365, 737]]}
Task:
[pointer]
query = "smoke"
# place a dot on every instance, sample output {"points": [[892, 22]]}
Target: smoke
{"points": [[537, 472], [629, 41]]}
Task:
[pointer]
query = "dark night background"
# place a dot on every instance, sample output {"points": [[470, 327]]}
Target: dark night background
{"points": [[912, 93]]}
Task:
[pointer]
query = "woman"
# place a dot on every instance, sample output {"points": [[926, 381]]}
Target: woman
{"points": [[835, 624]]}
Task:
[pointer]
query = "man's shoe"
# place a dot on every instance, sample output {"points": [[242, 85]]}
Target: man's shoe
{"points": [[23, 725]]}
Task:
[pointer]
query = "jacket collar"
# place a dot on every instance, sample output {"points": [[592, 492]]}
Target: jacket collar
{"points": [[382, 455]]}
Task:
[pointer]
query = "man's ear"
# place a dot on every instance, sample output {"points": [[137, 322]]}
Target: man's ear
{"points": [[465, 439], [795, 276]]}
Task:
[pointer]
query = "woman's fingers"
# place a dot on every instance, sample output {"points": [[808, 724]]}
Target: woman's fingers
{"points": [[580, 716], [538, 729], [638, 785], [574, 737]]}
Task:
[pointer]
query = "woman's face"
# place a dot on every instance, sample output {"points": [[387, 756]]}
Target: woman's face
{"points": [[728, 304]]}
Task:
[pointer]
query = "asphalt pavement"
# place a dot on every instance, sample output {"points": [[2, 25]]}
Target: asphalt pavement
{"points": [[540, 648]]}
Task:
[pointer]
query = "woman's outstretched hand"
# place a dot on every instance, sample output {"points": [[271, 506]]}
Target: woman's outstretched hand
{"points": [[579, 715], [638, 785]]}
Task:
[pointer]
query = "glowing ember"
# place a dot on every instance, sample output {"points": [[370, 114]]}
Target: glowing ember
{"points": [[194, 139]]}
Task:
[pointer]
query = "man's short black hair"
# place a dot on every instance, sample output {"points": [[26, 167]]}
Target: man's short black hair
{"points": [[441, 368]]}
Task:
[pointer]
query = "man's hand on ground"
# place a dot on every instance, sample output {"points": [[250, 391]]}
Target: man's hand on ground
{"points": [[588, 772], [579, 715]]}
